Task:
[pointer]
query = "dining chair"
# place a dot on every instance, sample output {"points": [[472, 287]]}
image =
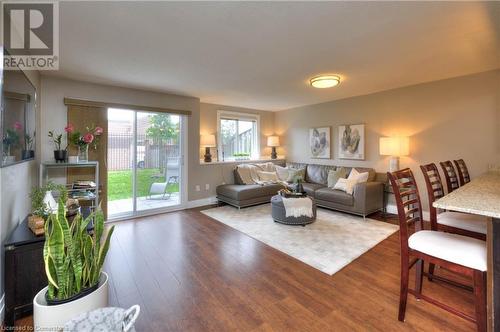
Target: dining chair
{"points": [[450, 175], [448, 221], [460, 254], [463, 172]]}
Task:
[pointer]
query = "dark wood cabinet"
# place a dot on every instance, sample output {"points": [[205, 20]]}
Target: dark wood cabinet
{"points": [[24, 272]]}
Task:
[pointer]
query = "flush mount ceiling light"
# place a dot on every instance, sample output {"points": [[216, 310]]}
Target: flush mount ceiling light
{"points": [[325, 81]]}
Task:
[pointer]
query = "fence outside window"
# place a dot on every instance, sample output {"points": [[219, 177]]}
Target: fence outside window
{"points": [[151, 153]]}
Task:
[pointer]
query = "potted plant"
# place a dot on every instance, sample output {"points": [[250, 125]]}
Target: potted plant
{"points": [[73, 264], [39, 198], [10, 140], [242, 156], [59, 154], [28, 151], [83, 140], [298, 184]]}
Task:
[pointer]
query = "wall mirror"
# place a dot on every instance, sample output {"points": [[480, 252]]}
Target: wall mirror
{"points": [[18, 118]]}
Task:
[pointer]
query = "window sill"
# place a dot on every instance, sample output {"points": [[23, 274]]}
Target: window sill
{"points": [[215, 162]]}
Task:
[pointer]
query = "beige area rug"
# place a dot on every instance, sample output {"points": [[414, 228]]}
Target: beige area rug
{"points": [[329, 244]]}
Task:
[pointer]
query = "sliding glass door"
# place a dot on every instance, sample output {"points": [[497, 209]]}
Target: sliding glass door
{"points": [[145, 162]]}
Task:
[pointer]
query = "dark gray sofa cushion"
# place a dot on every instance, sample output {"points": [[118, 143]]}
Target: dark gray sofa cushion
{"points": [[333, 195], [310, 188], [247, 191], [317, 174]]}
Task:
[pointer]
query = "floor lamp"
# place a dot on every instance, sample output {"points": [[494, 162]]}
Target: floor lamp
{"points": [[394, 147]]}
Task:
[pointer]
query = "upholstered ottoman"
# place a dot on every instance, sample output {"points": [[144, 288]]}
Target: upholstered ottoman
{"points": [[279, 215]]}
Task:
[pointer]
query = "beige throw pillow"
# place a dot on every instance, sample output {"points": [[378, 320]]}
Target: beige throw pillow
{"points": [[268, 176], [359, 177], [282, 172], [345, 185]]}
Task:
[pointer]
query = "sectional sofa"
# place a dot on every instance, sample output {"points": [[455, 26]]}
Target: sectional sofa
{"points": [[367, 197]]}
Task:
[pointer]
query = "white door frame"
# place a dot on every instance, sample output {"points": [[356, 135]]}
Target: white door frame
{"points": [[183, 185]]}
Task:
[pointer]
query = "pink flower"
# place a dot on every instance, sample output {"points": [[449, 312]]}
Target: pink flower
{"points": [[18, 125], [98, 131], [88, 138], [69, 128]]}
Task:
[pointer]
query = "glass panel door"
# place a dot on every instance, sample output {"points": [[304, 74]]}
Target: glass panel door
{"points": [[158, 160], [144, 162], [121, 127]]}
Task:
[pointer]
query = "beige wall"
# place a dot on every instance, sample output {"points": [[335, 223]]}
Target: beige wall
{"points": [[16, 182], [216, 174], [204, 118], [445, 119], [54, 112], [448, 119]]}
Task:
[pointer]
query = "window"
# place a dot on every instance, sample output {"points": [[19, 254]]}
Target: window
{"points": [[238, 135]]}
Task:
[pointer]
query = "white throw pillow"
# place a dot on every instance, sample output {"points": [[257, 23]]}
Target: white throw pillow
{"points": [[268, 176], [345, 185], [359, 177], [282, 172]]}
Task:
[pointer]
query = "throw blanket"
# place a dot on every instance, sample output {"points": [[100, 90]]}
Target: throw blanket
{"points": [[248, 172], [298, 207]]}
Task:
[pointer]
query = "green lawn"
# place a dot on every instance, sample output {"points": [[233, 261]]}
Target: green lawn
{"points": [[120, 183]]}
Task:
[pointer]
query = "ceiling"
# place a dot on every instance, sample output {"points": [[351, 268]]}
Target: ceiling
{"points": [[261, 54]]}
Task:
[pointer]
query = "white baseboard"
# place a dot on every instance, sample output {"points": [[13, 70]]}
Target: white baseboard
{"points": [[391, 208], [201, 202]]}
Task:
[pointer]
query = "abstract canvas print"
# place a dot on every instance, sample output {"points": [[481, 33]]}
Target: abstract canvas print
{"points": [[319, 140], [352, 142]]}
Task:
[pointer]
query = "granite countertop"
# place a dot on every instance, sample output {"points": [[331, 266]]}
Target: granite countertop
{"points": [[481, 196]]}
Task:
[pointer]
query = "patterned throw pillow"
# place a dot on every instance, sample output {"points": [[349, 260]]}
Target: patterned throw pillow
{"points": [[345, 185], [282, 172], [293, 174], [335, 175]]}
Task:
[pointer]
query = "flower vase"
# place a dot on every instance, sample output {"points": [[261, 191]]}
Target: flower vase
{"points": [[83, 153]]}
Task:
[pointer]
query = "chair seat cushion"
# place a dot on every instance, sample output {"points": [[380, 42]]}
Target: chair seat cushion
{"points": [[464, 221], [335, 196], [458, 249]]}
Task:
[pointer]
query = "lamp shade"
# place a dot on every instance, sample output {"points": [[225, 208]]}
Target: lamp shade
{"points": [[208, 141], [273, 141], [394, 146]]}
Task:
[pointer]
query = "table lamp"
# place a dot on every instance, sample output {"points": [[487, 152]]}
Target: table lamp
{"points": [[273, 142], [394, 147], [207, 142]]}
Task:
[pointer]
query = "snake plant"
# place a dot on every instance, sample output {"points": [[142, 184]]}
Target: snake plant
{"points": [[73, 258]]}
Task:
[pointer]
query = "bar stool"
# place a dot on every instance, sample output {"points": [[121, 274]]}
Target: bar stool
{"points": [[456, 253], [463, 172], [449, 221], [450, 175]]}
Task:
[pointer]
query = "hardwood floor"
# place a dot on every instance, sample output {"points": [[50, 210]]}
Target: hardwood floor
{"points": [[191, 273]]}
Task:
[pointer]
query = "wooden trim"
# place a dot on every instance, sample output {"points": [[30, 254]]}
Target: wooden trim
{"points": [[101, 104], [17, 96]]}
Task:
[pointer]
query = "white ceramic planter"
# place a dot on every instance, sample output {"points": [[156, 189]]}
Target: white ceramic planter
{"points": [[53, 317]]}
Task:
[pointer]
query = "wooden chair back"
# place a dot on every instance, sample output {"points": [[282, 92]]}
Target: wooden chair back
{"points": [[408, 203], [450, 175], [463, 172], [435, 190]]}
